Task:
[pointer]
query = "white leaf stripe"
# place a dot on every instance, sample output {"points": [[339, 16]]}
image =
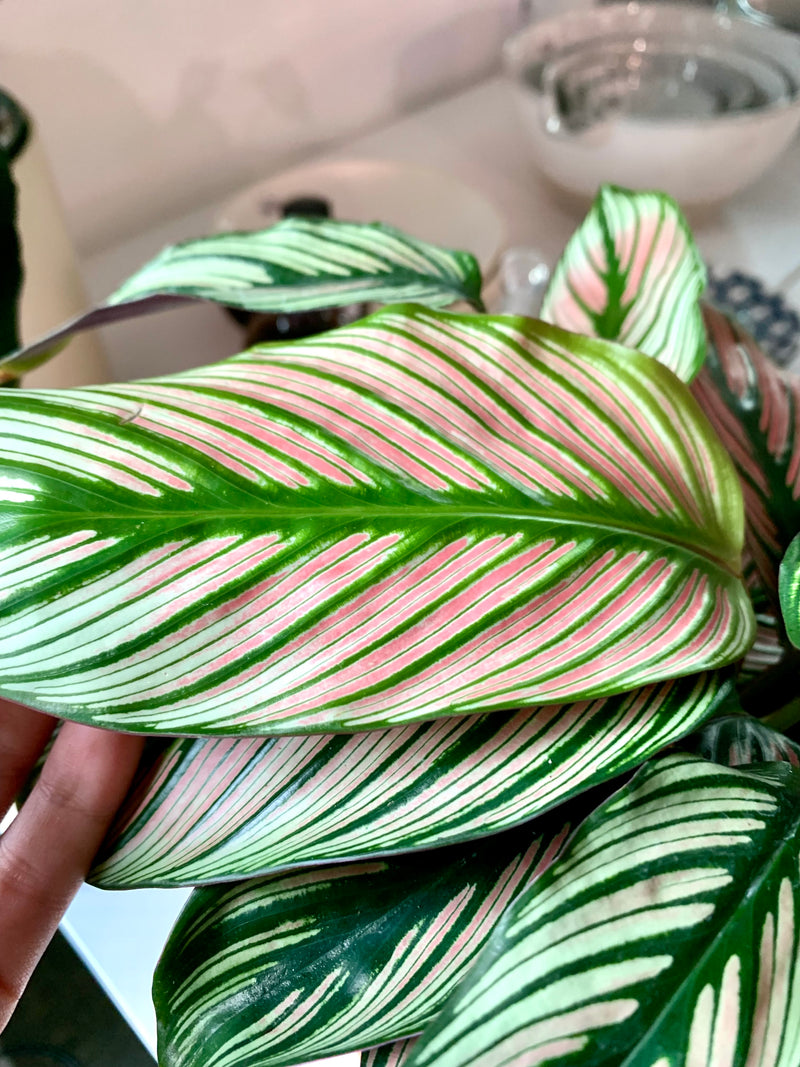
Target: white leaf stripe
{"points": [[227, 808], [634, 925], [334, 959], [631, 273], [368, 565]]}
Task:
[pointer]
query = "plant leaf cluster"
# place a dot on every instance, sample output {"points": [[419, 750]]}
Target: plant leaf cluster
{"points": [[467, 644]]}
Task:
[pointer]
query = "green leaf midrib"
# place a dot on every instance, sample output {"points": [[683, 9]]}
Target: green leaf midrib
{"points": [[752, 887], [443, 513]]}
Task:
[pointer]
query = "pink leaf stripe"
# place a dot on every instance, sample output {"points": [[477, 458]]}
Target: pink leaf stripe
{"points": [[229, 808], [385, 524], [631, 273], [754, 407]]}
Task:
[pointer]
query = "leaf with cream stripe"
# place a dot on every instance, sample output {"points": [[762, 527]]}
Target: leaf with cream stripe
{"points": [[210, 810], [307, 964], [394, 1054], [421, 514], [666, 935], [632, 273], [296, 265]]}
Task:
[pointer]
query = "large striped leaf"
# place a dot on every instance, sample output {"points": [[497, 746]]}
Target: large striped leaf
{"points": [[667, 935], [215, 810], [296, 265], [422, 514], [631, 273], [754, 407], [307, 964]]}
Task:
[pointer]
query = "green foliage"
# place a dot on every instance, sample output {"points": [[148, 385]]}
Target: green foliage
{"points": [[790, 591], [436, 575]]}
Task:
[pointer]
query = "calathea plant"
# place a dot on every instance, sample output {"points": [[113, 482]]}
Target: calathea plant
{"points": [[446, 620]]}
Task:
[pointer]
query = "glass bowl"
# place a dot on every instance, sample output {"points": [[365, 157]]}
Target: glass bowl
{"points": [[663, 96]]}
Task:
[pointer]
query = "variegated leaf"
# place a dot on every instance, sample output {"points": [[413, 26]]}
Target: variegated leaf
{"points": [[296, 265], [754, 407], [667, 935], [308, 964], [738, 740], [631, 273], [214, 810], [395, 1054], [422, 514]]}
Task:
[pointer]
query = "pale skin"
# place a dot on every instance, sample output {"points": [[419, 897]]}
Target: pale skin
{"points": [[47, 851]]}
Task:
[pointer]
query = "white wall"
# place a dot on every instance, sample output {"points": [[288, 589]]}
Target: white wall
{"points": [[148, 108]]}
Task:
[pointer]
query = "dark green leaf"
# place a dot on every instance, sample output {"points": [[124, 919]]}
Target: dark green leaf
{"points": [[667, 934], [293, 967], [10, 263]]}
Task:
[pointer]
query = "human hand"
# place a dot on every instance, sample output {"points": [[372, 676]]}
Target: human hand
{"points": [[48, 849]]}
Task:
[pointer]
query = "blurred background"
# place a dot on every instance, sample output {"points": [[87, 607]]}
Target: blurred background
{"points": [[151, 108]]}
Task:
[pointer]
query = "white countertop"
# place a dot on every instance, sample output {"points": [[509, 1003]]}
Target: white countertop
{"points": [[475, 137]]}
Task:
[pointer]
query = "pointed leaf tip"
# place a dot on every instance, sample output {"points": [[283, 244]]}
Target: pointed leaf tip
{"points": [[631, 273]]}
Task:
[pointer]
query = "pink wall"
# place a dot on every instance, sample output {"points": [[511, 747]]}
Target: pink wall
{"points": [[150, 108]]}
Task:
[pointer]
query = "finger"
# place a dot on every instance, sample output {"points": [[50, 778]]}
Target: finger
{"points": [[45, 854], [23, 735]]}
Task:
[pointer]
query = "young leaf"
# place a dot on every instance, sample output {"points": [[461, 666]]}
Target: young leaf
{"points": [[230, 808], [790, 591], [394, 1054], [668, 933], [631, 273], [296, 265], [423, 514], [308, 964], [753, 405]]}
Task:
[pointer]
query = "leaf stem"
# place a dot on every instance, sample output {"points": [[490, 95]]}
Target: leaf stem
{"points": [[784, 718]]}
